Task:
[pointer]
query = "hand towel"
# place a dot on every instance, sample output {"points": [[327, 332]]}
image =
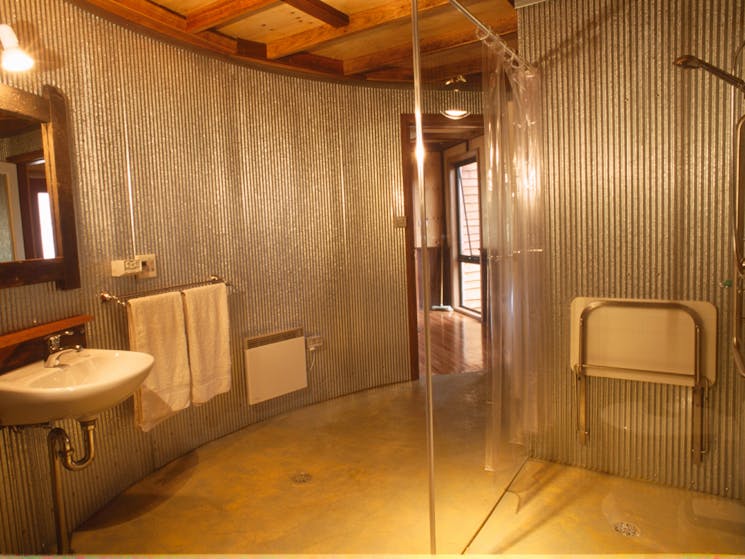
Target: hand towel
{"points": [[156, 326], [208, 336]]}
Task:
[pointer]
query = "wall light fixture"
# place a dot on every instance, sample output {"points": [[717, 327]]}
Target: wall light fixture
{"points": [[14, 58]]}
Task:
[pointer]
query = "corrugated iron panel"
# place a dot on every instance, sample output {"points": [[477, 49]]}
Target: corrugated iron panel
{"points": [[637, 155], [286, 187]]}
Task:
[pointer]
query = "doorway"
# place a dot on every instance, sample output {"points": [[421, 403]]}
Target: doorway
{"points": [[465, 185], [452, 247]]}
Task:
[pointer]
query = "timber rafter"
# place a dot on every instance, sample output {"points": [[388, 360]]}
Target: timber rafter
{"points": [[372, 41]]}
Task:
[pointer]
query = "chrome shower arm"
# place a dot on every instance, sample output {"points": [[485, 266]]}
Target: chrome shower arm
{"points": [[689, 61]]}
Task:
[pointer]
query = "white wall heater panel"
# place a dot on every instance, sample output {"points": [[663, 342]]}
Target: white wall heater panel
{"points": [[275, 365]]}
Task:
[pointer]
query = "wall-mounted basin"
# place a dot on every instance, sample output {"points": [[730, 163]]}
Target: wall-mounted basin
{"points": [[81, 385]]}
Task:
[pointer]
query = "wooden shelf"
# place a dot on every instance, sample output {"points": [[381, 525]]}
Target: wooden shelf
{"points": [[19, 336]]}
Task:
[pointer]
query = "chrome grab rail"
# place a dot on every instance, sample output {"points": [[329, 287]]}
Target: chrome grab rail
{"points": [[738, 200], [738, 230], [699, 431]]}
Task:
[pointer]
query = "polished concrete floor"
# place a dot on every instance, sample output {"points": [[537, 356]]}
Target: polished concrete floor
{"points": [[345, 476], [564, 510], [350, 476]]}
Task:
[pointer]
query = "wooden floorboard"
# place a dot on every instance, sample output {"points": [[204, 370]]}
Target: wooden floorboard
{"points": [[456, 345]]}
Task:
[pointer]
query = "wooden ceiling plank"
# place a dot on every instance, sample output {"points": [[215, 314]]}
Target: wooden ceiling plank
{"points": [[392, 12], [387, 57], [288, 52], [164, 22], [382, 58], [390, 75], [308, 64], [441, 73], [139, 11], [321, 11], [317, 63], [222, 12]]}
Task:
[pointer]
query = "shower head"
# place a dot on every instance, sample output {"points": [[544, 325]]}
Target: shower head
{"points": [[689, 61]]}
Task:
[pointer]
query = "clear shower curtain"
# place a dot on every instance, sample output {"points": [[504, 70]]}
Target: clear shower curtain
{"points": [[513, 253]]}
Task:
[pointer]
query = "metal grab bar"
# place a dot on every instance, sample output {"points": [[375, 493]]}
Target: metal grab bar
{"points": [[738, 221], [737, 198]]}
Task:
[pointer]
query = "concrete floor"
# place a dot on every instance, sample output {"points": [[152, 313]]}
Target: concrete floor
{"points": [[366, 488], [350, 476], [565, 510]]}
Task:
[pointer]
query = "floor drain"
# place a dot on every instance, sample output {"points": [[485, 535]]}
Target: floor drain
{"points": [[302, 477], [626, 529]]}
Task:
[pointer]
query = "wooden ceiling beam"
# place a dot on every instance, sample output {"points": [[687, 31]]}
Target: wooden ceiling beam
{"points": [[441, 73], [164, 22], [390, 75], [391, 12], [222, 12], [251, 49], [225, 12], [321, 11], [387, 57], [390, 64], [321, 64]]}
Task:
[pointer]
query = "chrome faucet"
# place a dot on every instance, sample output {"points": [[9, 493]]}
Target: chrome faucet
{"points": [[54, 343], [53, 359]]}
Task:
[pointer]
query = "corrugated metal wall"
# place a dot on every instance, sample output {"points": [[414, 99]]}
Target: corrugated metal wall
{"points": [[637, 155], [286, 187]]}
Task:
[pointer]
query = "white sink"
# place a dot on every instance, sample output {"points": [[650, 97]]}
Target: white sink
{"points": [[84, 384]]}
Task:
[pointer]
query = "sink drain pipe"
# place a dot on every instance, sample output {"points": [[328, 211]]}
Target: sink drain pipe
{"points": [[61, 454]]}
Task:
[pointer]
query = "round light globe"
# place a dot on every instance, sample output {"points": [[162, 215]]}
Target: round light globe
{"points": [[15, 59]]}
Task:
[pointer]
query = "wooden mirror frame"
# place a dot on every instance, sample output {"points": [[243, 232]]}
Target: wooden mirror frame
{"points": [[50, 110]]}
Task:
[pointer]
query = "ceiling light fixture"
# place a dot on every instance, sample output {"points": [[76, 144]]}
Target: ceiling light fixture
{"points": [[453, 84], [14, 58], [455, 114]]}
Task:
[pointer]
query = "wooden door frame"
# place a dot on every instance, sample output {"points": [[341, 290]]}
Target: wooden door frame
{"points": [[471, 122]]}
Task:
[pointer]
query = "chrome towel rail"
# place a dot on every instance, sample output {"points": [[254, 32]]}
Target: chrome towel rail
{"points": [[108, 297]]}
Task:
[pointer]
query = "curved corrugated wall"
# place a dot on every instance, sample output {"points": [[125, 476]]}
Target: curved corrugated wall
{"points": [[637, 170], [286, 187]]}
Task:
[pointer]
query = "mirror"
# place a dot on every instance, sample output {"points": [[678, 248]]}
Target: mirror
{"points": [[37, 221], [26, 224]]}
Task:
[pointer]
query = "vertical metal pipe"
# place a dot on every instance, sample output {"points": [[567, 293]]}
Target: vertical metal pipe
{"points": [[61, 454], [130, 192], [425, 274], [55, 437]]}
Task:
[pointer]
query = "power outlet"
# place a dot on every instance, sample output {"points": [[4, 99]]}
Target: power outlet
{"points": [[149, 269], [314, 343]]}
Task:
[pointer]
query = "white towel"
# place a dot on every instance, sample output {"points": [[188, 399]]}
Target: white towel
{"points": [[208, 335], [156, 326]]}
